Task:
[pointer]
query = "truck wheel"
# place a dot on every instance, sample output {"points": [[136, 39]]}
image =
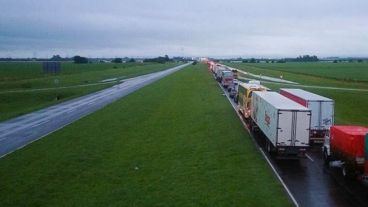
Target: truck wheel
{"points": [[269, 148], [346, 172], [326, 157]]}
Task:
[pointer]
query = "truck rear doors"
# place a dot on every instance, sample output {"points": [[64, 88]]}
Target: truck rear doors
{"points": [[291, 129]]}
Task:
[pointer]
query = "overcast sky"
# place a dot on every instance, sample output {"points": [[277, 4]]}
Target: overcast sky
{"points": [[221, 28]]}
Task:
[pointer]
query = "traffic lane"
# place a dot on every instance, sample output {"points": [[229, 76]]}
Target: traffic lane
{"points": [[20, 131], [311, 183]]}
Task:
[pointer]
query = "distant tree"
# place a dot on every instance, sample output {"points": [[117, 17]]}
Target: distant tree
{"points": [[252, 60], [281, 61], [158, 59], [167, 58], [307, 58], [131, 60], [360, 60], [245, 61], [56, 58], [117, 60], [335, 61], [266, 61], [272, 61], [350, 60], [80, 60]]}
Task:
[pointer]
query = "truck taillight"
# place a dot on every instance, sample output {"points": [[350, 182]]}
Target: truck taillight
{"points": [[359, 160]]}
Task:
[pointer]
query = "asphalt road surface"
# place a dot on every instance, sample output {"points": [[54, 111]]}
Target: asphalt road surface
{"points": [[310, 182], [20, 131]]}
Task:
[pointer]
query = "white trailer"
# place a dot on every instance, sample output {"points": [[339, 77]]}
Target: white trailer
{"points": [[322, 109], [284, 123]]}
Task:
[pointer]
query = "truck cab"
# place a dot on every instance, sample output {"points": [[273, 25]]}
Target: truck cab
{"points": [[226, 78], [233, 88], [244, 96]]}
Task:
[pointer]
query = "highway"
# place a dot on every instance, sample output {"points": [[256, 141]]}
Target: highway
{"points": [[308, 181], [23, 130]]}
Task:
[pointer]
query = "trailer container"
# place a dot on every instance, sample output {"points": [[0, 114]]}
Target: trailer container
{"points": [[244, 96], [322, 111], [345, 148], [284, 123]]}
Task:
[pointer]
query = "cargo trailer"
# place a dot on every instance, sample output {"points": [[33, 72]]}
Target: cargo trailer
{"points": [[218, 72], [345, 147], [284, 123], [322, 109]]}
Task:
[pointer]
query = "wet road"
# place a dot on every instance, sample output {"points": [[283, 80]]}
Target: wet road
{"points": [[20, 131], [311, 183]]}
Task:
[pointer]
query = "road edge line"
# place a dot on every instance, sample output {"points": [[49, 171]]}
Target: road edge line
{"points": [[261, 151]]}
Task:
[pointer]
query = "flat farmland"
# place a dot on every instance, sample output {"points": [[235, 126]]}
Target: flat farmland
{"points": [[176, 142], [25, 88], [339, 71]]}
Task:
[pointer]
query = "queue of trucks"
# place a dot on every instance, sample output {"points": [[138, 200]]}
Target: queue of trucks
{"points": [[294, 119]]}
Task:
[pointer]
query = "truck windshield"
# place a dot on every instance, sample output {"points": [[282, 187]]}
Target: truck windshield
{"points": [[228, 74]]}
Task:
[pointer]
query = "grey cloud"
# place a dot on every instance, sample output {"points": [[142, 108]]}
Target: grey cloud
{"points": [[209, 28]]}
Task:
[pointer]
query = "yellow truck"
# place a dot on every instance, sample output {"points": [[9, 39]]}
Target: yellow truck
{"points": [[244, 96]]}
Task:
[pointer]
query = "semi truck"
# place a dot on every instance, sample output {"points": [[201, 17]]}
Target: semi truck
{"points": [[226, 78], [322, 111], [218, 72], [284, 123], [244, 96], [346, 147]]}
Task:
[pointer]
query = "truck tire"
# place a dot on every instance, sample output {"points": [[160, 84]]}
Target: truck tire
{"points": [[326, 157], [269, 148], [236, 99], [346, 172]]}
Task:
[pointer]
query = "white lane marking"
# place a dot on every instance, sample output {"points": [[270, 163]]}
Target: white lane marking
{"points": [[309, 157], [39, 123], [280, 179], [262, 152]]}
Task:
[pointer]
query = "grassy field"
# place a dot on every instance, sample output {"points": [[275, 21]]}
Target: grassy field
{"points": [[19, 83], [176, 142], [23, 76], [339, 71], [350, 106]]}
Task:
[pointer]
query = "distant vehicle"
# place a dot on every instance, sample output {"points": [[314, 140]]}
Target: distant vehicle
{"points": [[347, 147], [284, 123], [226, 78], [218, 74], [235, 73], [322, 111], [254, 82], [244, 96], [233, 89]]}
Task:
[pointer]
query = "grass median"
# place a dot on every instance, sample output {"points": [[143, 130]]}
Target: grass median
{"points": [[176, 142]]}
